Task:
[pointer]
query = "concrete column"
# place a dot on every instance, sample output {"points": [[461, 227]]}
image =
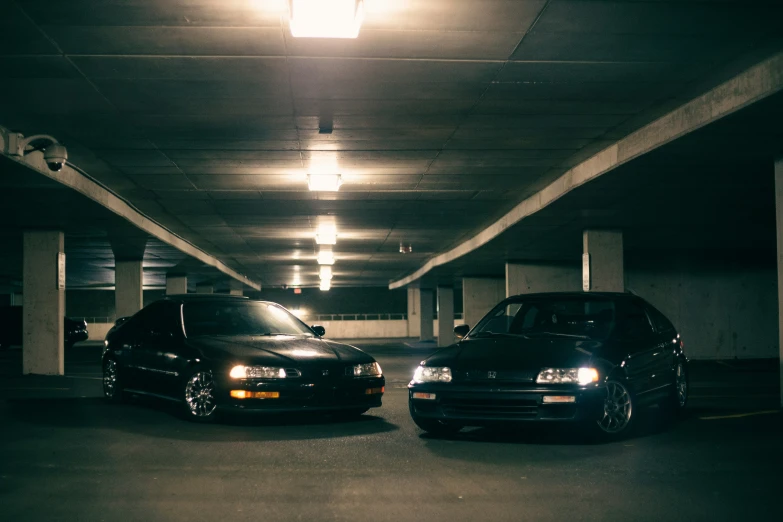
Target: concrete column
{"points": [[445, 316], [44, 304], [176, 284], [204, 288], [530, 278], [779, 220], [414, 312], [605, 269], [128, 287], [427, 315], [479, 296], [235, 287]]}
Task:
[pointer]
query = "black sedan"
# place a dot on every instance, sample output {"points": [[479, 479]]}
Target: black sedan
{"points": [[221, 353], [594, 358]]}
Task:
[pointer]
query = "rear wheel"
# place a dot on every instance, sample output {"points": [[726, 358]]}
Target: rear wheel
{"points": [[678, 399], [112, 381], [618, 415], [436, 427], [199, 396]]}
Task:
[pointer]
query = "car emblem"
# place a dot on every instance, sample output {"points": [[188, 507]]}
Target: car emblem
{"points": [[492, 375], [325, 372]]}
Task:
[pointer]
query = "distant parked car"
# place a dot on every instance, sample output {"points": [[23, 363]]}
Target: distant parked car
{"points": [[213, 353], [11, 328], [595, 358]]}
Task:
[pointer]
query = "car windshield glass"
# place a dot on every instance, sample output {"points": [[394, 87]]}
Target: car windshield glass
{"points": [[240, 318], [565, 317]]}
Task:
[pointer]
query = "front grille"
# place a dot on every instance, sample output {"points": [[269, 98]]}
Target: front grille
{"points": [[490, 408], [499, 375]]}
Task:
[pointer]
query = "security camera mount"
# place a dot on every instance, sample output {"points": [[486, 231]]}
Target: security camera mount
{"points": [[15, 144]]}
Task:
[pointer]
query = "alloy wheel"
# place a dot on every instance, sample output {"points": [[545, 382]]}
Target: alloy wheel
{"points": [[200, 394], [682, 385], [110, 379], [617, 408]]}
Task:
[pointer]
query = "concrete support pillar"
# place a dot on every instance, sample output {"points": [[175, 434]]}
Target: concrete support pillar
{"points": [[479, 296], [43, 279], [427, 315], [603, 265], [530, 278], [128, 287], [204, 288], [176, 284], [235, 287], [445, 316], [779, 219], [414, 312]]}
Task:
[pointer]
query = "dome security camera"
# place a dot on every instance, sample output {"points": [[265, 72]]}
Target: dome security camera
{"points": [[55, 156]]}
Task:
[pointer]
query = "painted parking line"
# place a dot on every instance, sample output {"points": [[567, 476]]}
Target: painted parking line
{"points": [[739, 415]]}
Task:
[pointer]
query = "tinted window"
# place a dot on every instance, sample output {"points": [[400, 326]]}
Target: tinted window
{"points": [[159, 317], [585, 317], [662, 325], [240, 318], [632, 320]]}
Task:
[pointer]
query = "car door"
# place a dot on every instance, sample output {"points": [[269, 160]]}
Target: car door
{"points": [[667, 342], [152, 335], [170, 357], [642, 361]]}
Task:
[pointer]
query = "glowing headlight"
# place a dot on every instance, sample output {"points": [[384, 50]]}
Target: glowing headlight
{"points": [[432, 374], [257, 372], [567, 376], [365, 370]]}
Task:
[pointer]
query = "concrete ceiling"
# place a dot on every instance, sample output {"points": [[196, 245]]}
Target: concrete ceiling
{"points": [[205, 114]]}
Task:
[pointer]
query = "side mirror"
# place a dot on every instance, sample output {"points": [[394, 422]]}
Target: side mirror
{"points": [[461, 331], [320, 331]]}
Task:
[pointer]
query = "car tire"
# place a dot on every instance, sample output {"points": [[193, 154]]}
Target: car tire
{"points": [[113, 389], [436, 427], [678, 399], [199, 396], [619, 413]]}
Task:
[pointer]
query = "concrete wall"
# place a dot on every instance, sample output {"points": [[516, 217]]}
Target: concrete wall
{"points": [[98, 331], [479, 296]]}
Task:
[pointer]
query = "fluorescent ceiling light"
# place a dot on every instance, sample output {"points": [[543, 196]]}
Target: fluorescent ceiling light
{"points": [[324, 182], [326, 273], [326, 256], [325, 284], [326, 234], [326, 18]]}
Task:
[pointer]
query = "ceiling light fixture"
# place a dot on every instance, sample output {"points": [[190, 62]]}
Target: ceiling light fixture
{"points": [[326, 234], [325, 284], [326, 18], [325, 256], [326, 273], [324, 182]]}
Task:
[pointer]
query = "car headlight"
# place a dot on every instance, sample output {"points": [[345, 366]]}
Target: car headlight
{"points": [[257, 372], [372, 369], [432, 374], [567, 376]]}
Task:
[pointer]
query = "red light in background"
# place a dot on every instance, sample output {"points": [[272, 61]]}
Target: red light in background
{"points": [[297, 290]]}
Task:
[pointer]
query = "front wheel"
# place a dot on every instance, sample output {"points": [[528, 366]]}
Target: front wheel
{"points": [[619, 413], [199, 396]]}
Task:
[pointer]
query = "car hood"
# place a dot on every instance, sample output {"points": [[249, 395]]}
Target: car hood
{"points": [[515, 358], [278, 350]]}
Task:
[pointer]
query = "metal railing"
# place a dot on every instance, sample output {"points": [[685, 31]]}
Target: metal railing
{"points": [[96, 319], [357, 317]]}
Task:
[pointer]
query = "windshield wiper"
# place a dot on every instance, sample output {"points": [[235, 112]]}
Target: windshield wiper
{"points": [[555, 334]]}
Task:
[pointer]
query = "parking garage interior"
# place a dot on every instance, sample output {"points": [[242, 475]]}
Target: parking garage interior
{"points": [[389, 184]]}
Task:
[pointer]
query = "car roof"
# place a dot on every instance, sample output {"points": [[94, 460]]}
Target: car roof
{"points": [[187, 298], [608, 295]]}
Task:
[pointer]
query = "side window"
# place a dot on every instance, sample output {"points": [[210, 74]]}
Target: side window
{"points": [[159, 317], [633, 321], [662, 325]]}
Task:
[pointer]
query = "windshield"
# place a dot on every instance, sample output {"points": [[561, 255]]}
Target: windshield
{"points": [[240, 318], [577, 317]]}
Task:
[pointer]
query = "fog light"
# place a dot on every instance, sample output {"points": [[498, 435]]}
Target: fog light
{"points": [[551, 399], [372, 391], [425, 396], [246, 394]]}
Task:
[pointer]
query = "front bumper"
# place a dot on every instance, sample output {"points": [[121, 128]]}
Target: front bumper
{"points": [[298, 395], [484, 405]]}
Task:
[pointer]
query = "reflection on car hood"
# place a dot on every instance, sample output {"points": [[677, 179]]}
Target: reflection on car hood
{"points": [[278, 350], [517, 353]]}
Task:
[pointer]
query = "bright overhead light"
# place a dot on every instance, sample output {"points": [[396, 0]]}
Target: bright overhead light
{"points": [[326, 273], [324, 182], [326, 256], [325, 285], [326, 234], [326, 18]]}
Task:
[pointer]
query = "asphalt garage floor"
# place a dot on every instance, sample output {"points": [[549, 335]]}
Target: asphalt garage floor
{"points": [[67, 455]]}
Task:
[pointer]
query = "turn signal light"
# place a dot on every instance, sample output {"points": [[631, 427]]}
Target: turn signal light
{"points": [[550, 399], [372, 391], [426, 396], [246, 394]]}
